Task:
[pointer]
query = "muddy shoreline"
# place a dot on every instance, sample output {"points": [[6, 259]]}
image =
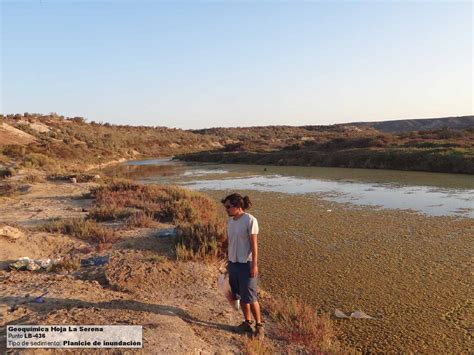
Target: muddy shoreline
{"points": [[409, 271]]}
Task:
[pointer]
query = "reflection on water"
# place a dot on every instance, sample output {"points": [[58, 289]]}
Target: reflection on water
{"points": [[430, 193]]}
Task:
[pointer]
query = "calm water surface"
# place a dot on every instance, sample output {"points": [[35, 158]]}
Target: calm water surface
{"points": [[433, 194]]}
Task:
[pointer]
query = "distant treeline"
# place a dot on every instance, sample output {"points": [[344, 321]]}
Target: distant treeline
{"points": [[421, 159], [443, 150]]}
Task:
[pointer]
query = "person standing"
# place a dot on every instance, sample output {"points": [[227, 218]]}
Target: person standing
{"points": [[242, 231]]}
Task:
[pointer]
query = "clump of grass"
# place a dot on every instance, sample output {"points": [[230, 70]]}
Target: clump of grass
{"points": [[14, 151], [82, 229], [255, 346], [199, 241], [38, 160], [116, 185], [183, 253], [141, 219], [299, 323], [109, 213], [31, 179]]}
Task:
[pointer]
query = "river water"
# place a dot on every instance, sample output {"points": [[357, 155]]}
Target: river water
{"points": [[433, 194]]}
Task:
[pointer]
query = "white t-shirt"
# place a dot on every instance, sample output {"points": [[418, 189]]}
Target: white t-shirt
{"points": [[238, 234]]}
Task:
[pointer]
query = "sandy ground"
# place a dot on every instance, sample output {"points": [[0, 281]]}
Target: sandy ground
{"points": [[411, 272], [12, 135], [178, 303]]}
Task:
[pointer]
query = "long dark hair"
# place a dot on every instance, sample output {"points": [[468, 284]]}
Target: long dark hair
{"points": [[237, 200]]}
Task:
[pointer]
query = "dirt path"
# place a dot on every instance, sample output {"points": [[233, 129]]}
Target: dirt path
{"points": [[178, 303]]}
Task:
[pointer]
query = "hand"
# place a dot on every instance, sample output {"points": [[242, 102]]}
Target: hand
{"points": [[253, 271]]}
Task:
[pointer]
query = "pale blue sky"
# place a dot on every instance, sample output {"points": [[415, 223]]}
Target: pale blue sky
{"points": [[203, 64]]}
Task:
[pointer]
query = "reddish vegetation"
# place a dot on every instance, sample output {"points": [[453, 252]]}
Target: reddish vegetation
{"points": [[298, 323]]}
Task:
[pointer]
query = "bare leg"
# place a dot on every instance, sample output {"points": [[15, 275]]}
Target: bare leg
{"points": [[255, 308], [246, 311]]}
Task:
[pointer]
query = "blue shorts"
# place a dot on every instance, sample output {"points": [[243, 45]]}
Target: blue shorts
{"points": [[243, 286]]}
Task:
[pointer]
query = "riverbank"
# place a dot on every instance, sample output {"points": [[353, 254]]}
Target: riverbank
{"points": [[177, 302], [441, 160]]}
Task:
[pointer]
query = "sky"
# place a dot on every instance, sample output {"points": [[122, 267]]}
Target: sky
{"points": [[196, 64]]}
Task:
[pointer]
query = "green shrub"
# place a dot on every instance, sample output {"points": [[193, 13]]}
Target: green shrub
{"points": [[38, 160], [141, 219], [109, 213], [200, 241], [178, 211]]}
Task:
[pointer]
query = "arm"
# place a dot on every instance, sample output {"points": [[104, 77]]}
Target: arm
{"points": [[253, 246]]}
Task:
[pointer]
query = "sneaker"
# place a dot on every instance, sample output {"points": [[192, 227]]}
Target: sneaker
{"points": [[259, 331], [245, 327]]}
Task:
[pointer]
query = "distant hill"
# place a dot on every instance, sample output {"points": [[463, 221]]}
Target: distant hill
{"points": [[425, 124], [56, 143]]}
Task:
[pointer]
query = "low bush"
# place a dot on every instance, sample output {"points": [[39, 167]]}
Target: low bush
{"points": [[200, 241], [178, 211], [141, 219], [31, 179], [14, 151], [109, 213], [82, 229], [299, 323], [38, 160]]}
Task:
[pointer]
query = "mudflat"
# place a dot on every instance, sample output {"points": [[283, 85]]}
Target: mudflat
{"points": [[410, 272]]}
